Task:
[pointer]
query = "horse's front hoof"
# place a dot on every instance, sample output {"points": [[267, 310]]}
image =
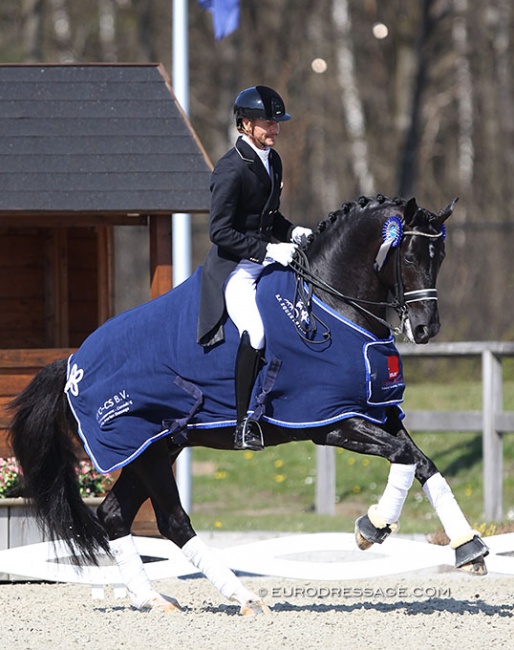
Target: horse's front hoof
{"points": [[163, 604], [476, 567], [254, 607], [360, 540], [367, 533], [469, 557]]}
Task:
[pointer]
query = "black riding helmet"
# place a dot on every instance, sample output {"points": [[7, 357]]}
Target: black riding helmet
{"points": [[260, 102]]}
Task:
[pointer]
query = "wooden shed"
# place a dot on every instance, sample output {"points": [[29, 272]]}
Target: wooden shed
{"points": [[86, 151]]}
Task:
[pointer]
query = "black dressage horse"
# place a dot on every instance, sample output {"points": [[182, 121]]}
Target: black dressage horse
{"points": [[369, 256]]}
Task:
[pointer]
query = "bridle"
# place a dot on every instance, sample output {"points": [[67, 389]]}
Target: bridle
{"points": [[306, 281]]}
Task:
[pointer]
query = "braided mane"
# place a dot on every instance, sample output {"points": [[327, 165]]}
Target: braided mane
{"points": [[361, 203]]}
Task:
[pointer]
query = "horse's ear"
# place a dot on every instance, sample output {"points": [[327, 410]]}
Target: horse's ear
{"points": [[410, 211], [446, 212]]}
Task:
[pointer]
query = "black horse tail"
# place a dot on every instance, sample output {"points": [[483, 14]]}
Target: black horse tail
{"points": [[42, 438]]}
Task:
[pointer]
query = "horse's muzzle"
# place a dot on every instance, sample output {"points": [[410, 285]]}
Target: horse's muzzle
{"points": [[423, 333]]}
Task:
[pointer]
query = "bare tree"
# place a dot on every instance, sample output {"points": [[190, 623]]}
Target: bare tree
{"points": [[464, 94], [107, 29], [62, 30], [352, 106], [32, 29], [409, 168]]}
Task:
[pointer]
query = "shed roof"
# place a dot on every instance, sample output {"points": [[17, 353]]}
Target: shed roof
{"points": [[97, 138]]}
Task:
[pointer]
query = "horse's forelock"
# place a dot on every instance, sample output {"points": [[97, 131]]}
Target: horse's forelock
{"points": [[425, 219]]}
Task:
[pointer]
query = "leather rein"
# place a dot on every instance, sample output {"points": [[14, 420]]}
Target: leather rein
{"points": [[400, 302]]}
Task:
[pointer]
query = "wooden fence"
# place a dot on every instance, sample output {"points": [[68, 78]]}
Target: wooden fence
{"points": [[491, 420]]}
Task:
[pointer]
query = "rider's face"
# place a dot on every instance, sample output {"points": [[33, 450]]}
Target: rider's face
{"points": [[263, 133]]}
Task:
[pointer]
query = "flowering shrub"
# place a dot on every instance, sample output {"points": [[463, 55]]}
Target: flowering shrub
{"points": [[91, 482], [10, 477]]}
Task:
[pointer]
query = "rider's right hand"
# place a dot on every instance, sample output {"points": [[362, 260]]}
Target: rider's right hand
{"points": [[281, 253]]}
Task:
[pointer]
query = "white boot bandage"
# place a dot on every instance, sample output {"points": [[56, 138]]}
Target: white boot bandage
{"points": [[226, 582], [447, 509], [132, 571], [399, 483]]}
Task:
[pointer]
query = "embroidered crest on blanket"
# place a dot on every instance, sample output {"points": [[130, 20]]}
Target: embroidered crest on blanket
{"points": [[142, 376]]}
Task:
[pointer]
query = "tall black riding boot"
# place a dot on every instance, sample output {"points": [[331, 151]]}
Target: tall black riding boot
{"points": [[248, 434]]}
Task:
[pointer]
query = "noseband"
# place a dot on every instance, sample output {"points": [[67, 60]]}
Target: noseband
{"points": [[393, 236]]}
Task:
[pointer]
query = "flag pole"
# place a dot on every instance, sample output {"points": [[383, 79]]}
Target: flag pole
{"points": [[181, 223]]}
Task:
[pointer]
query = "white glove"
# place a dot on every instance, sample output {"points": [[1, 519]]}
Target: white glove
{"points": [[281, 253], [298, 233]]}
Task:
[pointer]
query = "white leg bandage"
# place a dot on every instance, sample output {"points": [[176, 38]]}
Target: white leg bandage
{"points": [[448, 510], [226, 582], [132, 571], [389, 507]]}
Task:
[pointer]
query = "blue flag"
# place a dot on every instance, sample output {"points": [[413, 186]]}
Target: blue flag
{"points": [[225, 16]]}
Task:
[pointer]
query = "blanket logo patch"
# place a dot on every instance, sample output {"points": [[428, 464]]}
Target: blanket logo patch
{"points": [[385, 373], [298, 314], [393, 367], [72, 385]]}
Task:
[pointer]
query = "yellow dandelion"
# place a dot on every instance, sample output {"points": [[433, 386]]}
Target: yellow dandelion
{"points": [[468, 491], [220, 475], [485, 529], [279, 478], [278, 463], [218, 524], [248, 455], [351, 461], [365, 462], [356, 489]]}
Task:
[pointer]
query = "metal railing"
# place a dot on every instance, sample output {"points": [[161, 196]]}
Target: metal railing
{"points": [[491, 420]]}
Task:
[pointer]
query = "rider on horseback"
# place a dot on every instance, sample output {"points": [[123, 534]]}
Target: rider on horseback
{"points": [[248, 231]]}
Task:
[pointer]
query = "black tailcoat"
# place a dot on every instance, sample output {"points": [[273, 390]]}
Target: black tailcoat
{"points": [[244, 218]]}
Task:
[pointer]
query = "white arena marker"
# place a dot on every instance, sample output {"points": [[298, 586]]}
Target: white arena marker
{"points": [[320, 556]]}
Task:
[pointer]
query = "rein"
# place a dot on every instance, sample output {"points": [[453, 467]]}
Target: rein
{"points": [[303, 274]]}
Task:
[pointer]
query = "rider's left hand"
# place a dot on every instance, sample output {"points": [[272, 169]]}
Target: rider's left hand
{"points": [[299, 233]]}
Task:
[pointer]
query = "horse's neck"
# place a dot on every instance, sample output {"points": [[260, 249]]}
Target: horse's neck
{"points": [[349, 270]]}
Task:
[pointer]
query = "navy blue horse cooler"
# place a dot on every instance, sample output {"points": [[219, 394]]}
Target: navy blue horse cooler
{"points": [[142, 376]]}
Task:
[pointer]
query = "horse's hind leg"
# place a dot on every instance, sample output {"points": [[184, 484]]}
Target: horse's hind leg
{"points": [[222, 578], [153, 468], [117, 513], [119, 509]]}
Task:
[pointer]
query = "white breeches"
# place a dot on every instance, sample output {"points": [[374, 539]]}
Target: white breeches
{"points": [[240, 300]]}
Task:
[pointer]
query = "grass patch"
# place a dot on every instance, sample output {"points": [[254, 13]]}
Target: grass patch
{"points": [[275, 489]]}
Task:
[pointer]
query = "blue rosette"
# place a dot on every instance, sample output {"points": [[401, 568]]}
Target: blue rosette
{"points": [[392, 233]]}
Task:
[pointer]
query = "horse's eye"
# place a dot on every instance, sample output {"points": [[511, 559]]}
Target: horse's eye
{"points": [[409, 259]]}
